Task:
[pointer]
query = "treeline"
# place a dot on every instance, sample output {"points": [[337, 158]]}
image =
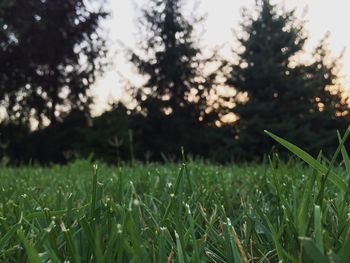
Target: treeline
{"points": [[52, 51]]}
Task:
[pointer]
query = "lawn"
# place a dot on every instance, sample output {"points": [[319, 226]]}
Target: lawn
{"points": [[186, 212]]}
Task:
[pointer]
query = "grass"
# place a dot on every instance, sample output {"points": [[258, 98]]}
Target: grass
{"points": [[191, 212]]}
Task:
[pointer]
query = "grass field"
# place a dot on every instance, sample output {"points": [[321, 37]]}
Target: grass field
{"points": [[191, 212]]}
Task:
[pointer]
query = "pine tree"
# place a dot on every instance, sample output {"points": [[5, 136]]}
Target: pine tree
{"points": [[50, 54], [175, 97], [279, 95], [330, 106]]}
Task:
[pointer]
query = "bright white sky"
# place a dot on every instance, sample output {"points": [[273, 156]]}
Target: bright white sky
{"points": [[223, 16]]}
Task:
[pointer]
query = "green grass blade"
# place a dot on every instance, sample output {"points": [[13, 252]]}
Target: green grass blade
{"points": [[180, 254], [98, 249], [318, 228], [196, 254], [110, 249], [345, 155], [94, 191], [33, 256], [231, 248], [52, 255], [177, 192], [6, 238], [344, 251], [276, 237], [313, 251], [88, 233], [334, 258], [303, 218], [162, 254], [338, 181], [330, 167], [71, 247]]}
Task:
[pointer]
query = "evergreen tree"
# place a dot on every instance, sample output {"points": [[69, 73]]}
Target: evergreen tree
{"points": [[174, 101], [329, 110], [279, 95], [50, 53]]}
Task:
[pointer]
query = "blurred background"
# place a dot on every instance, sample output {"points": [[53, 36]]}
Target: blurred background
{"points": [[120, 81]]}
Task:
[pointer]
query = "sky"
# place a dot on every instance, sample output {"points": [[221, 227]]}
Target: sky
{"points": [[222, 17]]}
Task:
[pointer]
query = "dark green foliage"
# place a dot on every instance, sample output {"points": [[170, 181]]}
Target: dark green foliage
{"points": [[161, 138], [108, 136], [58, 143], [173, 105], [329, 109], [50, 54], [105, 137], [280, 95], [13, 136]]}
